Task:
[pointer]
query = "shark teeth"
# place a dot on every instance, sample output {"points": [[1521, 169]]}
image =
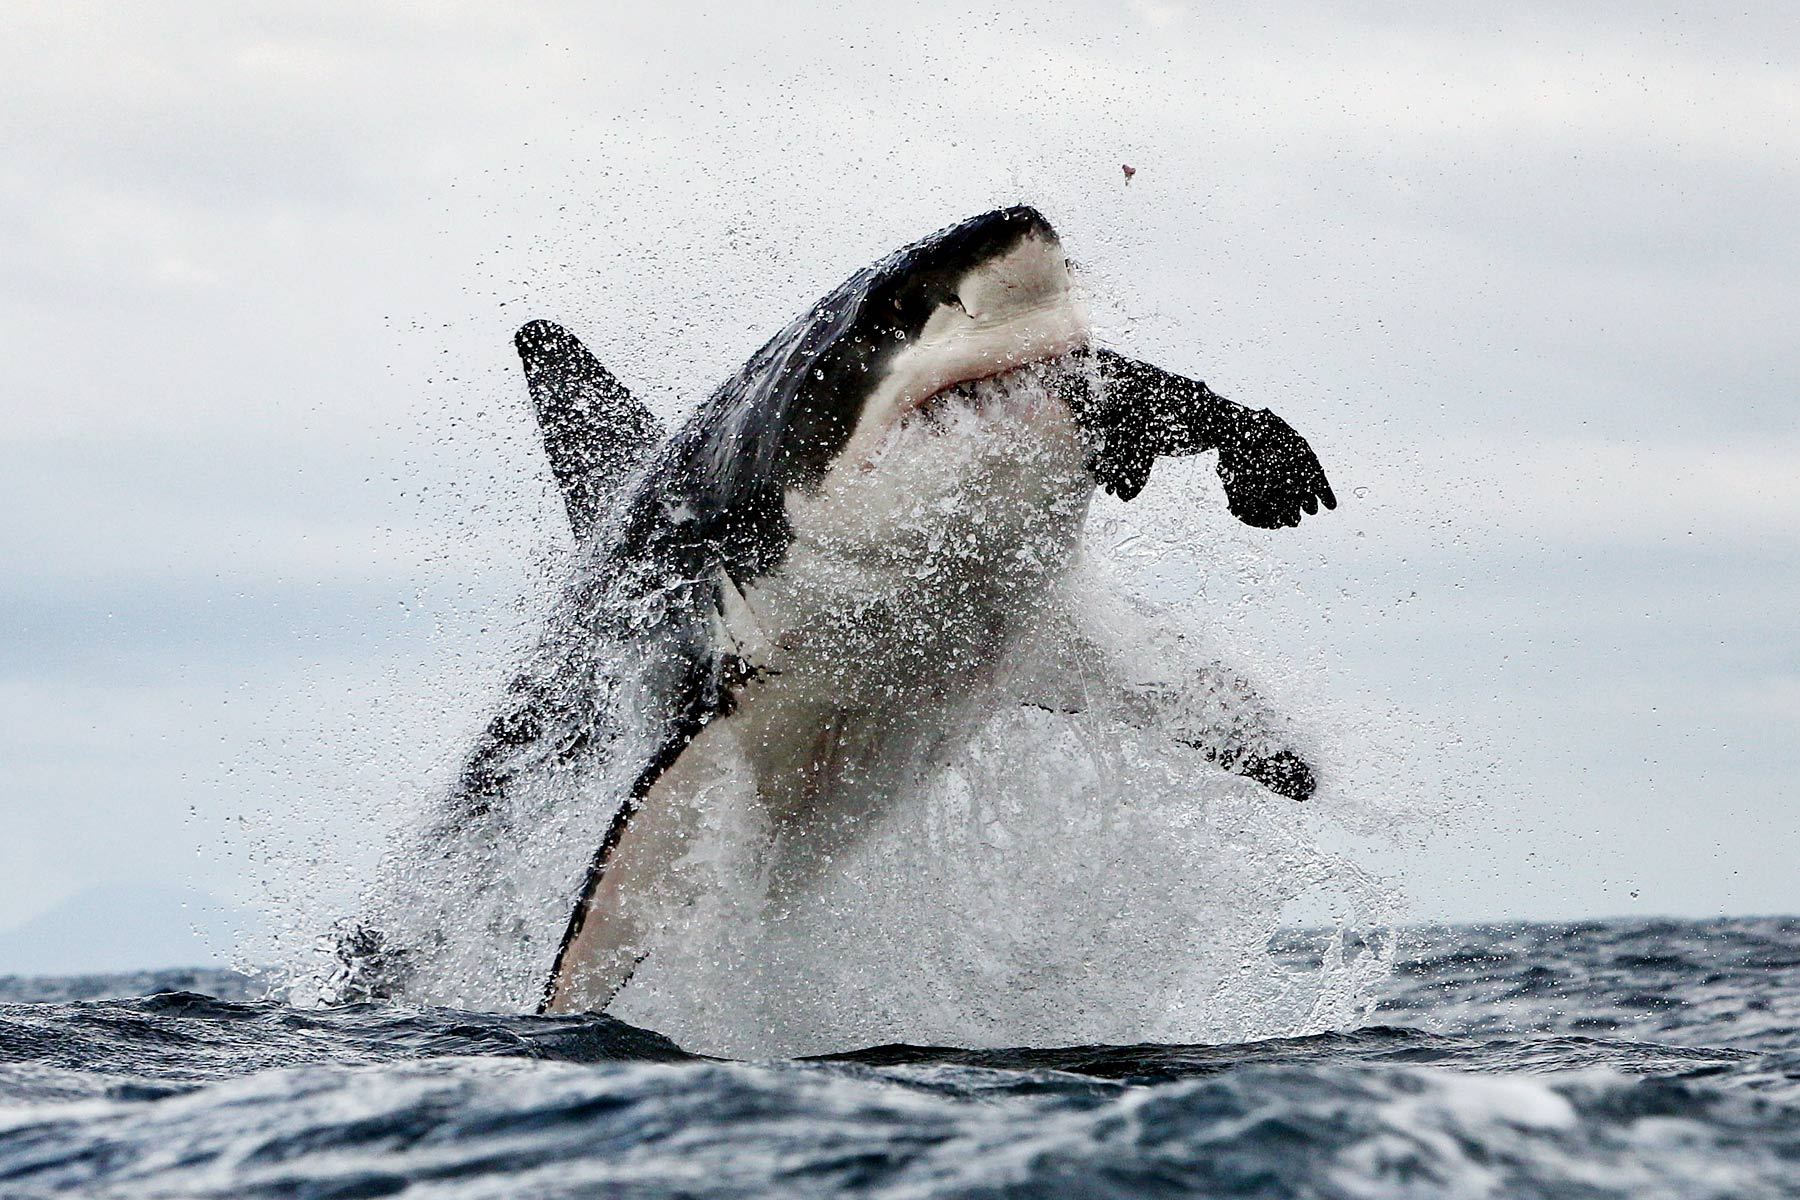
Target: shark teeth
{"points": [[1021, 388]]}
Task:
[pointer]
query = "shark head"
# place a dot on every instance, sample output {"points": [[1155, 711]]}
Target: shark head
{"points": [[971, 303], [988, 296]]}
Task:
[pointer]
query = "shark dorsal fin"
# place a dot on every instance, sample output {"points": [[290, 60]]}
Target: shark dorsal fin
{"points": [[594, 430]]}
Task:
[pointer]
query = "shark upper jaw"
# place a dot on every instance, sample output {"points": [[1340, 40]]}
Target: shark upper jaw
{"points": [[1018, 311]]}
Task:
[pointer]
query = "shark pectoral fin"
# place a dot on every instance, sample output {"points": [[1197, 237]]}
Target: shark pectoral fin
{"points": [[1206, 708], [1215, 711], [1281, 771], [595, 431]]}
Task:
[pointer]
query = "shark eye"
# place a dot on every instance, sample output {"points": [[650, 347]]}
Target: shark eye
{"points": [[956, 303]]}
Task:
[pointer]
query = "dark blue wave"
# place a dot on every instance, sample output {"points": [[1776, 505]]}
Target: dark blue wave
{"points": [[1596, 1060]]}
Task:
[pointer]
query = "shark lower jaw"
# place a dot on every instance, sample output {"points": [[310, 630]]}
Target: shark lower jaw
{"points": [[1004, 445]]}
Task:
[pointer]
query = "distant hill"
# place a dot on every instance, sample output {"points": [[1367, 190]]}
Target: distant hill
{"points": [[125, 927]]}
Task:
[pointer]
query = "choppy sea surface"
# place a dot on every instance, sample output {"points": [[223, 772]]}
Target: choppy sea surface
{"points": [[1640, 1059]]}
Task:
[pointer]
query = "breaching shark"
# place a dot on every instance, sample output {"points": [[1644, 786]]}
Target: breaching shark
{"points": [[810, 581]]}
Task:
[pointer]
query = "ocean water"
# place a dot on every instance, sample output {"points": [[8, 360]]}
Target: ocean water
{"points": [[1629, 1059]]}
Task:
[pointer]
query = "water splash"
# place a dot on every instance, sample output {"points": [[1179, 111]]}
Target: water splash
{"points": [[1062, 877], [1057, 873]]}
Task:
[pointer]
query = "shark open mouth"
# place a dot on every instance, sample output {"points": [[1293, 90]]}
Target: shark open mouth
{"points": [[1032, 390]]}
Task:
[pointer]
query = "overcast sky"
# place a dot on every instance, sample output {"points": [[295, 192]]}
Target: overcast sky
{"points": [[1527, 276]]}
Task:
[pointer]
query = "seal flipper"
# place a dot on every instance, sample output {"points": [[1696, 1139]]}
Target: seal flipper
{"points": [[1139, 413], [594, 430]]}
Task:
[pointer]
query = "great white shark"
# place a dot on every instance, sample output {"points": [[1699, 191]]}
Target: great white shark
{"points": [[808, 583]]}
